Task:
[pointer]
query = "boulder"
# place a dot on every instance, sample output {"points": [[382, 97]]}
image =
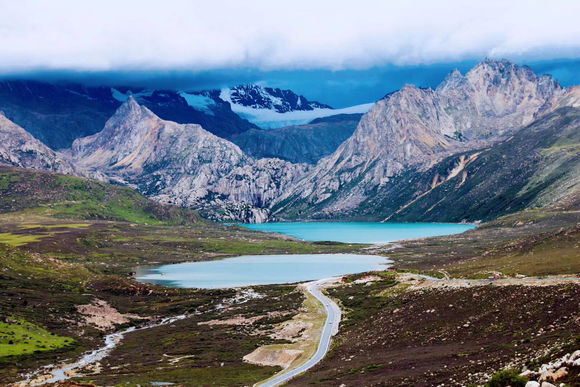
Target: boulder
{"points": [[575, 356], [562, 372], [546, 375], [528, 373]]}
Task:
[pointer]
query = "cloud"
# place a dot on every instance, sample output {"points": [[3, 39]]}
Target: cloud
{"points": [[108, 35]]}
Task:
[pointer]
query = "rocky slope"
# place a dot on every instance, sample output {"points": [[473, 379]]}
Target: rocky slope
{"points": [[538, 166], [183, 164], [19, 149], [300, 143], [413, 129]]}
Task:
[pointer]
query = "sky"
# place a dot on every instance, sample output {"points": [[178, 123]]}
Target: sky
{"points": [[340, 52]]}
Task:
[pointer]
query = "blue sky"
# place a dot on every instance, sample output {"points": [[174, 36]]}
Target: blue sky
{"points": [[339, 52]]}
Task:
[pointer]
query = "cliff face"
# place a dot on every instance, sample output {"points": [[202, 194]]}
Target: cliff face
{"points": [[19, 149], [183, 164], [416, 128]]}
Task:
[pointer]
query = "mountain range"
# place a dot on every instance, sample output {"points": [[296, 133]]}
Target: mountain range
{"points": [[57, 114], [498, 139]]}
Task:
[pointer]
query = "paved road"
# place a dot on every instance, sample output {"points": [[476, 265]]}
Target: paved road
{"points": [[329, 330]]}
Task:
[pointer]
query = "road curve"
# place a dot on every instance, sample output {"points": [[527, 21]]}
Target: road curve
{"points": [[330, 329]]}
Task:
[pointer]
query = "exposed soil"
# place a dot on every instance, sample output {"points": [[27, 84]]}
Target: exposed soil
{"points": [[102, 316], [269, 357]]}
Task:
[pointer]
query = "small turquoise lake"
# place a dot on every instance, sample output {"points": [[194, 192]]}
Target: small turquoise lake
{"points": [[360, 232], [259, 270]]}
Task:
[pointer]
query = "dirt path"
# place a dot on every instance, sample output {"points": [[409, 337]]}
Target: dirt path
{"points": [[420, 282]]}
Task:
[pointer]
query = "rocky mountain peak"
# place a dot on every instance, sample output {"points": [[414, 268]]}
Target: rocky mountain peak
{"points": [[453, 80], [130, 108], [503, 73], [183, 164]]}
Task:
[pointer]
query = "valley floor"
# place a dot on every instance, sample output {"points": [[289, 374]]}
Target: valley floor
{"points": [[66, 283]]}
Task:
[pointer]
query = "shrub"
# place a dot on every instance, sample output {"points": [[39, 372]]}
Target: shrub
{"points": [[510, 377]]}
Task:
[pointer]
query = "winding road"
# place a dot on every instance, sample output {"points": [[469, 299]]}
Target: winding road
{"points": [[330, 329]]}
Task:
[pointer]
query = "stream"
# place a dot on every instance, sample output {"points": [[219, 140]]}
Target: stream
{"points": [[60, 373]]}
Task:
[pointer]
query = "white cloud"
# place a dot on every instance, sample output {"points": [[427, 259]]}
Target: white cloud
{"points": [[266, 34]]}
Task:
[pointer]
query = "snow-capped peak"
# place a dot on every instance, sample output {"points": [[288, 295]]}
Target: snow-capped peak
{"points": [[278, 100]]}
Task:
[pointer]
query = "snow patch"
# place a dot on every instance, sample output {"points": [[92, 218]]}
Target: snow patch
{"points": [[198, 102], [269, 119]]}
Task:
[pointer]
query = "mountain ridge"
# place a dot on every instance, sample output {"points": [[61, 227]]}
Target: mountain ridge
{"points": [[18, 148], [411, 145], [416, 128]]}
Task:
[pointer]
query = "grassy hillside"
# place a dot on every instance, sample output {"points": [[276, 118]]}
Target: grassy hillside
{"points": [[452, 337], [532, 242], [60, 196], [539, 166]]}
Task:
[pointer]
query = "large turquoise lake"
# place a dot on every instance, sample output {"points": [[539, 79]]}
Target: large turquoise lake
{"points": [[360, 232], [259, 270]]}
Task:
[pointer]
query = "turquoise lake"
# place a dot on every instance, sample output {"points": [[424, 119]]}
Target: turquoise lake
{"points": [[259, 270], [360, 232], [279, 269]]}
